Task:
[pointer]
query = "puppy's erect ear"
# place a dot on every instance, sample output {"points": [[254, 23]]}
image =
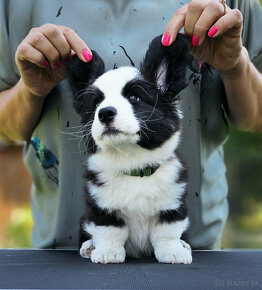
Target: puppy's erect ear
{"points": [[166, 66], [82, 74]]}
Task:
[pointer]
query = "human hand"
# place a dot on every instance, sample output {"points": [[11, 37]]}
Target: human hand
{"points": [[214, 33], [41, 57]]}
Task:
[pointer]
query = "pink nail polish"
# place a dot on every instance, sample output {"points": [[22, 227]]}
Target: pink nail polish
{"points": [[46, 63], [87, 55], [166, 39], [195, 41], [58, 64], [212, 31]]}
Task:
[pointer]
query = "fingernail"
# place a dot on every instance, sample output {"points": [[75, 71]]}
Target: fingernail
{"points": [[166, 39], [195, 41], [58, 64], [212, 31], [46, 63], [87, 55]]}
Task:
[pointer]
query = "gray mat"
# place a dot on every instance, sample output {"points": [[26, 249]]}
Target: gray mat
{"points": [[54, 269]]}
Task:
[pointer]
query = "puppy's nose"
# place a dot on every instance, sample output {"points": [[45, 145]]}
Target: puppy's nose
{"points": [[107, 114]]}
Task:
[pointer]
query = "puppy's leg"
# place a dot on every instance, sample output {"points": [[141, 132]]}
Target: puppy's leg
{"points": [[86, 248], [85, 240], [107, 243], [168, 247]]}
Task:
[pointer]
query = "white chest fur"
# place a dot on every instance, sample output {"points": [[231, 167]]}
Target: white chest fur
{"points": [[148, 195]]}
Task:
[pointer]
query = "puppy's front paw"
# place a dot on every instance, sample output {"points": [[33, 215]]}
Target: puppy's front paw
{"points": [[105, 256], [86, 249], [174, 252]]}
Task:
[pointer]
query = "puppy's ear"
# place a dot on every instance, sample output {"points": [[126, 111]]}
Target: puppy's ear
{"points": [[166, 66], [82, 74]]}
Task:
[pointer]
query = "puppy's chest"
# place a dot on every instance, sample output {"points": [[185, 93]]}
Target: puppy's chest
{"points": [[148, 194]]}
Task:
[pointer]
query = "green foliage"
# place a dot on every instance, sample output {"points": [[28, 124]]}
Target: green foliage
{"points": [[18, 232], [243, 156]]}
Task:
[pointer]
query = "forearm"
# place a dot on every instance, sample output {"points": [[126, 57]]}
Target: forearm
{"points": [[19, 113], [244, 94]]}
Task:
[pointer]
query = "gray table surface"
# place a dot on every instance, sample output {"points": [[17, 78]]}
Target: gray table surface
{"points": [[58, 269]]}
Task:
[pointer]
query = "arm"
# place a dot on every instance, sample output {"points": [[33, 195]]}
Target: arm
{"points": [[244, 95], [41, 59], [19, 113], [215, 38]]}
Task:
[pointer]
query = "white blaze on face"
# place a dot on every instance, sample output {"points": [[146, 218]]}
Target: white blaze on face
{"points": [[112, 84]]}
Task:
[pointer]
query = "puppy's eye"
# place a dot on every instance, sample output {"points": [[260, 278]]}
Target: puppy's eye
{"points": [[97, 104], [133, 99]]}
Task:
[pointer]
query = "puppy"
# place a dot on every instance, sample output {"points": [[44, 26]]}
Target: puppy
{"points": [[135, 181]]}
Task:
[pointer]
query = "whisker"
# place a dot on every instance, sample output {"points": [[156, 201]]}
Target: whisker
{"points": [[153, 107], [142, 89], [148, 129], [154, 120], [144, 133]]}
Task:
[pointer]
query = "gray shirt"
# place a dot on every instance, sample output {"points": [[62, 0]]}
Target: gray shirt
{"points": [[55, 155]]}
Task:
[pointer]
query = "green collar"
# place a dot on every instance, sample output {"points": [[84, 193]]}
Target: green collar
{"points": [[148, 171]]}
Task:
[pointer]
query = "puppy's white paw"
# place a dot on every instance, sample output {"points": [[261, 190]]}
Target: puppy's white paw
{"points": [[174, 252], [86, 249], [105, 256]]}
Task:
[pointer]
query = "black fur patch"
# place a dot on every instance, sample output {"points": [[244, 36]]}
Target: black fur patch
{"points": [[170, 216], [157, 115], [174, 215], [92, 176], [99, 216]]}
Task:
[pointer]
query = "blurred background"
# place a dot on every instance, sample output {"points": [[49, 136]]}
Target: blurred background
{"points": [[243, 157]]}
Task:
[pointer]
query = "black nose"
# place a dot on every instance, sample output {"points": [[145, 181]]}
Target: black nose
{"points": [[107, 114]]}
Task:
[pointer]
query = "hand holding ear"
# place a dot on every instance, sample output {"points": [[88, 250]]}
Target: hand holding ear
{"points": [[213, 30], [42, 56]]}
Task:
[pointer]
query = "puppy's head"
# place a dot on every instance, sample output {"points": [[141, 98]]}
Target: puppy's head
{"points": [[129, 106]]}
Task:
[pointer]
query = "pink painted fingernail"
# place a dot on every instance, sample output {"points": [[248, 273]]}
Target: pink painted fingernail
{"points": [[195, 41], [166, 39], [212, 31], [46, 63], [87, 55], [58, 64]]}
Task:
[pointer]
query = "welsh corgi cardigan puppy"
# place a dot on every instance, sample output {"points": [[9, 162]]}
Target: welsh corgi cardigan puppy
{"points": [[135, 181]]}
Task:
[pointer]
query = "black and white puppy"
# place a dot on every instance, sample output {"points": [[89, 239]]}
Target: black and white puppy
{"points": [[135, 183]]}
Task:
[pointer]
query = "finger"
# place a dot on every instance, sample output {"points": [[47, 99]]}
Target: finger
{"points": [[38, 40], [26, 53], [174, 26], [77, 44], [54, 34], [195, 9], [212, 12], [232, 19]]}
